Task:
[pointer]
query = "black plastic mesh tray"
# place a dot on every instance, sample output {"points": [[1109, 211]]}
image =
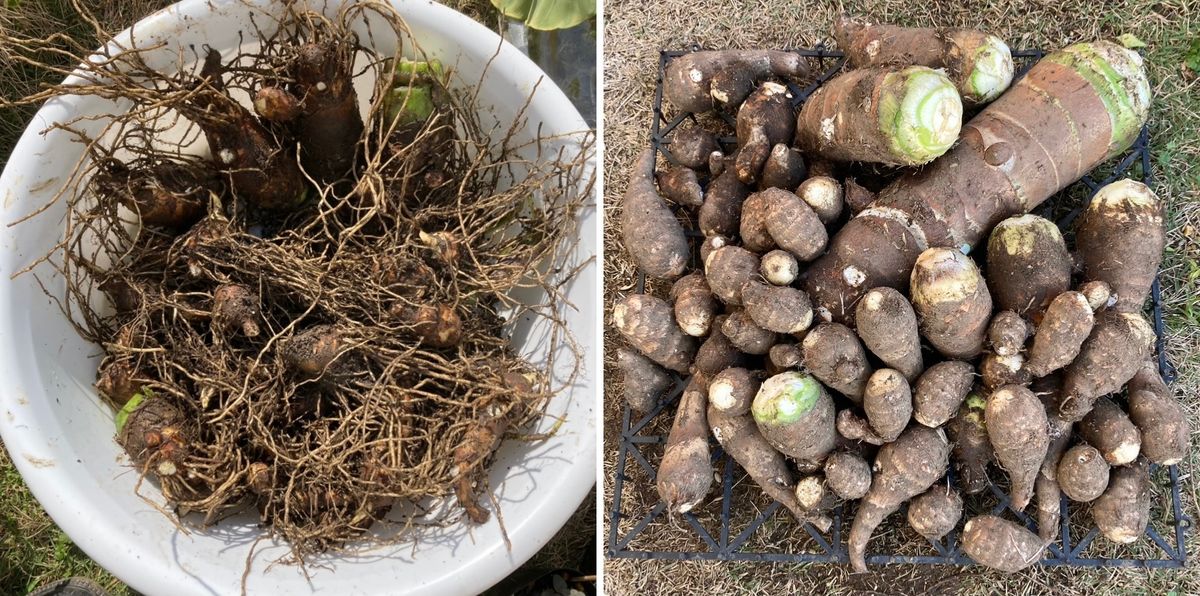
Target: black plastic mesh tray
{"points": [[743, 516]]}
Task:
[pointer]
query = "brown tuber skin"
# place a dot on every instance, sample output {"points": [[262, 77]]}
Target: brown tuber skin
{"points": [[695, 305], [1000, 544], [784, 168], [1082, 473], [689, 79], [795, 415], [824, 195], [1159, 416], [780, 268], [330, 125], [312, 351], [1045, 488], [691, 146], [812, 495], [1109, 429], [1007, 333], [785, 356], [972, 449], [728, 269], [753, 224], [764, 120], [478, 444], [888, 326], [710, 245], [716, 353], [157, 437], [685, 474], [1027, 265], [857, 196], [996, 370], [853, 427], [117, 381], [951, 301], [721, 213], [1018, 430], [1123, 511], [1067, 323], [940, 392], [903, 469], [438, 325], [236, 307], [935, 512], [1120, 239], [888, 403], [644, 381], [166, 194], [648, 324], [276, 104], [794, 226], [732, 391], [680, 185], [779, 309], [740, 438], [1110, 356], [847, 474], [652, 235], [833, 354], [747, 336], [1099, 295]]}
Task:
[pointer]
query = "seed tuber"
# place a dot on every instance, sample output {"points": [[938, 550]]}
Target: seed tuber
{"points": [[236, 307], [1017, 429], [1109, 429], [691, 146], [716, 353], [688, 81], [1000, 544], [764, 120], [680, 185], [312, 351], [695, 305], [1007, 333], [651, 233], [888, 326], [1061, 333], [888, 403], [793, 225], [784, 168], [940, 392], [795, 415], [1027, 265], [951, 301], [1120, 239], [686, 474], [779, 309], [833, 354], [732, 391], [643, 380], [1082, 473], [648, 324], [935, 512], [1122, 512]]}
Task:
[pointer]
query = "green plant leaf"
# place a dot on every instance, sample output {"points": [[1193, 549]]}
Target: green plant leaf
{"points": [[1131, 41], [1192, 57], [545, 15], [129, 407]]}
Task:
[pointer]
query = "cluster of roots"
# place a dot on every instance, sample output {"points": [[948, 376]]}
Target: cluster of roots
{"points": [[315, 334]]}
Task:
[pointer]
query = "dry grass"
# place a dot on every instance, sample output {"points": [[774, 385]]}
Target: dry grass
{"points": [[634, 33]]}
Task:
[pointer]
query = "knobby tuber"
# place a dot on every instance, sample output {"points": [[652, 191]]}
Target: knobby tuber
{"points": [[680, 185], [1120, 239], [952, 302], [1122, 512], [688, 81], [695, 305], [780, 268], [1017, 428], [1056, 342], [793, 225], [752, 227], [648, 324], [691, 146], [784, 168], [888, 326], [728, 269], [652, 235], [1109, 429], [732, 391], [1082, 473], [1000, 544], [940, 391], [746, 335], [1027, 265], [685, 474], [764, 120], [1007, 333], [1117, 346], [717, 353], [824, 195], [888, 403], [643, 380], [779, 309], [1159, 416], [833, 354], [972, 449], [935, 512], [848, 474]]}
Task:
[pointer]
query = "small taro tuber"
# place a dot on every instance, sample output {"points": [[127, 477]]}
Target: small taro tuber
{"points": [[847, 474], [689, 84], [118, 381], [438, 325], [235, 306], [952, 302], [996, 370], [784, 168], [728, 269], [753, 224], [686, 474], [979, 64], [648, 324], [1159, 416], [650, 231], [785, 356], [1062, 331], [824, 195], [1027, 265], [680, 185], [833, 354], [167, 194], [1099, 295], [695, 305], [740, 438], [1088, 102], [1123, 511], [1000, 544], [812, 495], [795, 415], [1109, 429], [716, 353], [1120, 239], [902, 117], [276, 104], [904, 469], [710, 245], [1082, 473], [691, 146], [940, 392], [1017, 428], [857, 196], [764, 120], [746, 335], [779, 309], [155, 434], [888, 326], [721, 213], [732, 391], [1007, 333], [972, 449], [888, 403], [780, 268], [793, 225], [312, 351], [935, 512], [1110, 356], [644, 381]]}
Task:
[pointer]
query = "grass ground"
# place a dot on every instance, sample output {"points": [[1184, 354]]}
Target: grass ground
{"points": [[33, 551], [635, 31]]}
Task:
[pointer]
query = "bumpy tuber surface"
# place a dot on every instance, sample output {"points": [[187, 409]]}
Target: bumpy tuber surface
{"points": [[996, 370], [1110, 356], [888, 403], [833, 354], [951, 301], [1000, 544], [824, 195], [685, 474], [1007, 333], [236, 307], [648, 324], [651, 233], [903, 469], [1027, 265], [972, 449], [680, 185], [695, 305], [746, 335], [691, 146], [721, 213], [940, 392], [688, 80], [1088, 102], [716, 353], [1056, 342], [979, 64], [794, 226], [780, 268], [1123, 511], [752, 227], [784, 168], [764, 120], [888, 326], [1159, 416], [847, 474], [935, 512], [1082, 473], [643, 380], [732, 391], [1017, 428], [780, 309], [1109, 429], [795, 415], [728, 269], [1120, 239], [902, 117]]}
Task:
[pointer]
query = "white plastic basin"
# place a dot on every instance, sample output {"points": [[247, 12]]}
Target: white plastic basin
{"points": [[60, 435]]}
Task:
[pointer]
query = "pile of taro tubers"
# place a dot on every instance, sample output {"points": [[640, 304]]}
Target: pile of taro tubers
{"points": [[304, 304], [848, 336]]}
